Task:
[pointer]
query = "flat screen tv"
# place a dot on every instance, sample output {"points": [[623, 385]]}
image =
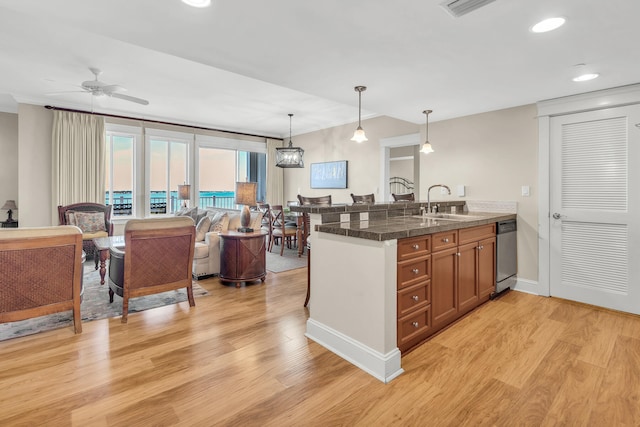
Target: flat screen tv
{"points": [[329, 174]]}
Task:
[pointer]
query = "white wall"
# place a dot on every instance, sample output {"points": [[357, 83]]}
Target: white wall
{"points": [[34, 166], [9, 162], [334, 144]]}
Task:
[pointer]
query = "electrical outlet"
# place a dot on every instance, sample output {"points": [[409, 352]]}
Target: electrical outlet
{"points": [[460, 190]]}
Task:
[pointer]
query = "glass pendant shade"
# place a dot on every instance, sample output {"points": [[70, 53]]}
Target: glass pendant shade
{"points": [[426, 148], [290, 156], [359, 136]]}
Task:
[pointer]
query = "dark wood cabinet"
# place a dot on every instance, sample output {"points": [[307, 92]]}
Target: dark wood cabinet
{"points": [[444, 291], [9, 224], [414, 290], [242, 256], [437, 287]]}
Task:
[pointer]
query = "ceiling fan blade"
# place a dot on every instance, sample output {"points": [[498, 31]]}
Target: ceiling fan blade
{"points": [[129, 98]]}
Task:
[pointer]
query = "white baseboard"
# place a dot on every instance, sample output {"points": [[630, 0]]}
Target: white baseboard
{"points": [[384, 367], [528, 286]]}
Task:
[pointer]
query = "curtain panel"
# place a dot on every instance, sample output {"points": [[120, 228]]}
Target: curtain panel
{"points": [[78, 156], [275, 175]]}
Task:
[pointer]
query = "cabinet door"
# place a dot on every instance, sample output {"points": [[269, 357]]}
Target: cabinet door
{"points": [[444, 299], [486, 267], [467, 274]]}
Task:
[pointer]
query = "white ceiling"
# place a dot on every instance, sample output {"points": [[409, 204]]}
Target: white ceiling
{"points": [[242, 65]]}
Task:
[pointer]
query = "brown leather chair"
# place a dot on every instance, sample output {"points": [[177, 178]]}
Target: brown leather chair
{"points": [[66, 216], [319, 201], [41, 273], [408, 196], [365, 198], [157, 257]]}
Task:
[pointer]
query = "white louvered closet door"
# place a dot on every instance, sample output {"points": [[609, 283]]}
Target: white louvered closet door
{"points": [[595, 208]]}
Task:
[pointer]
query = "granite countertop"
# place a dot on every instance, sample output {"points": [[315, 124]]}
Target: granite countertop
{"points": [[410, 226]]}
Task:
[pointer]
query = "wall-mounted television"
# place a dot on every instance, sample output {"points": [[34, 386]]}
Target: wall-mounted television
{"points": [[329, 174]]}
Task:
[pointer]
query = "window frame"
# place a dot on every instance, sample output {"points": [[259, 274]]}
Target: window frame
{"points": [[135, 133]]}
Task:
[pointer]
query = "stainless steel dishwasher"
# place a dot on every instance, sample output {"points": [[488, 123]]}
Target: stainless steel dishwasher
{"points": [[506, 255]]}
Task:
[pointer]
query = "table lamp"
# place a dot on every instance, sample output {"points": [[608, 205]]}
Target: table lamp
{"points": [[10, 205], [184, 193], [246, 195]]}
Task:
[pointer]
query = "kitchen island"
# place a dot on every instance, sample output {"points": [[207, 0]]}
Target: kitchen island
{"points": [[353, 308]]}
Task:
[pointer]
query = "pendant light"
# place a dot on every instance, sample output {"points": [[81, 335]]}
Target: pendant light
{"points": [[426, 147], [289, 157], [358, 135]]}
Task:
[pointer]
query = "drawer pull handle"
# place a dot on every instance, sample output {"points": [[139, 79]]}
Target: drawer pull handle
{"points": [[458, 254], [481, 247], [416, 246], [415, 324], [415, 271], [415, 298], [445, 240]]}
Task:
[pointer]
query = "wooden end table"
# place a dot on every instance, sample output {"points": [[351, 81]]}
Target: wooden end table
{"points": [[242, 256], [102, 245]]}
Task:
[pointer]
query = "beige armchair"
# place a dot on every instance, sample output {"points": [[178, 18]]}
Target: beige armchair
{"points": [[41, 273], [157, 257]]}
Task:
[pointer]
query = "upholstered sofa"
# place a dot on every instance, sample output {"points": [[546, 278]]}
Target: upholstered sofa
{"points": [[206, 258]]}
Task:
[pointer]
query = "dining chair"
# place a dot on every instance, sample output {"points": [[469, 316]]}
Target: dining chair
{"points": [[280, 230], [365, 198], [265, 223], [408, 196]]}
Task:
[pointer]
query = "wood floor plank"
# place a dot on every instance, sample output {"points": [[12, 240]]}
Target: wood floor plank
{"points": [[240, 357]]}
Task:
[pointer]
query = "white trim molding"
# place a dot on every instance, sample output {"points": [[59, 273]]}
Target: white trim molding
{"points": [[384, 367]]}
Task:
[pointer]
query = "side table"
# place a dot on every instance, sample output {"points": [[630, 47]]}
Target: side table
{"points": [[102, 245], [242, 256]]}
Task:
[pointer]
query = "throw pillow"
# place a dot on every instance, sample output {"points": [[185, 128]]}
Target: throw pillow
{"points": [[191, 212], [202, 228], [90, 222], [219, 222], [71, 217]]}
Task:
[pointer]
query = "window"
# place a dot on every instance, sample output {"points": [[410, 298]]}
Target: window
{"points": [[122, 142], [220, 162], [142, 179], [168, 167]]}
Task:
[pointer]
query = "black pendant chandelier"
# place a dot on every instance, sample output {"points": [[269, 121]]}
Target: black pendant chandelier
{"points": [[290, 156]]}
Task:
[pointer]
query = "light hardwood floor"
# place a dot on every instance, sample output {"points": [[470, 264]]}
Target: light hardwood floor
{"points": [[240, 358]]}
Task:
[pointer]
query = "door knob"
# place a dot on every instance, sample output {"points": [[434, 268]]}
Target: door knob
{"points": [[557, 216]]}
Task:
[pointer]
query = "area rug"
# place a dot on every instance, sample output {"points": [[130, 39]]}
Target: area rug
{"points": [[288, 261], [95, 305]]}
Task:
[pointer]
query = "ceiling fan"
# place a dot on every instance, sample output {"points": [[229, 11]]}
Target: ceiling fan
{"points": [[97, 88]]}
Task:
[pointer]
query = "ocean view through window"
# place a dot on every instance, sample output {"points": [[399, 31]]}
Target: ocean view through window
{"points": [[218, 199]]}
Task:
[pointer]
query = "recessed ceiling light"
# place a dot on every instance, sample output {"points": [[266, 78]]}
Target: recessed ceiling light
{"points": [[197, 3], [548, 25], [586, 77]]}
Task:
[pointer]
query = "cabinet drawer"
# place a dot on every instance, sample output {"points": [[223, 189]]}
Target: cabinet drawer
{"points": [[474, 234], [444, 240], [414, 271], [414, 325], [414, 247], [413, 298]]}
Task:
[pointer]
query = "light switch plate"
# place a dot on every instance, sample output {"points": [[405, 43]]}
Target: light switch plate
{"points": [[525, 191], [460, 190]]}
